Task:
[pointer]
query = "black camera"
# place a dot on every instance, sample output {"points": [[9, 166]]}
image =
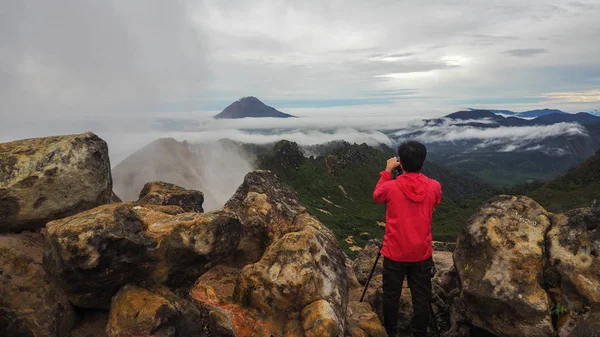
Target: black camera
{"points": [[398, 170]]}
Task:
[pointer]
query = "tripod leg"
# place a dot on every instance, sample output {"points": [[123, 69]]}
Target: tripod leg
{"points": [[370, 276]]}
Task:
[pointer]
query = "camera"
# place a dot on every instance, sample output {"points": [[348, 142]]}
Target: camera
{"points": [[397, 170]]}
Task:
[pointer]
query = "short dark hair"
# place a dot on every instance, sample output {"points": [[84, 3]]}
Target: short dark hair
{"points": [[412, 155]]}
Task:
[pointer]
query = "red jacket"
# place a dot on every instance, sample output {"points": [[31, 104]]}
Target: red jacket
{"points": [[410, 201]]}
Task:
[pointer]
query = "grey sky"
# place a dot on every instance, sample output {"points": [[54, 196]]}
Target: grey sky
{"points": [[71, 65]]}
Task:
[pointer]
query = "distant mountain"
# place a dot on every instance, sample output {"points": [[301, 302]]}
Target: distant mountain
{"points": [[337, 187], [581, 118], [250, 107], [463, 144], [498, 112], [537, 113], [578, 188], [595, 112], [473, 114]]}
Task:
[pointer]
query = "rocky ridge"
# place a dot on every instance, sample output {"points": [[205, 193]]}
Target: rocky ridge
{"points": [[156, 266]]}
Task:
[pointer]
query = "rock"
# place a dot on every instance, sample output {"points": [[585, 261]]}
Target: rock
{"points": [[204, 294], [267, 208], [299, 269], [443, 246], [573, 271], [303, 262], [91, 324], [589, 325], [228, 319], [43, 179], [114, 198], [167, 209], [220, 324], [30, 305], [197, 242], [352, 280], [137, 311], [574, 251], [319, 320], [222, 278], [500, 258], [161, 193], [443, 260], [365, 260], [361, 321], [94, 253]]}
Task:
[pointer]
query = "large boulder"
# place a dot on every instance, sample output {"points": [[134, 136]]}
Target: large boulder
{"points": [[365, 260], [297, 270], [29, 303], [302, 265], [161, 193], [94, 253], [500, 259], [43, 179], [573, 269], [574, 251], [138, 311], [267, 208]]}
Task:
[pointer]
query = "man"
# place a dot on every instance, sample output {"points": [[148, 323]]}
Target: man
{"points": [[406, 248]]}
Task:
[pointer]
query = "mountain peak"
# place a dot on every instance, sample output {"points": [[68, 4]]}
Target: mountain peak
{"points": [[540, 112], [250, 106], [472, 114]]}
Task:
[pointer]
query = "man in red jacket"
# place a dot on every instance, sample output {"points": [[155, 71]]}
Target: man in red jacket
{"points": [[407, 251]]}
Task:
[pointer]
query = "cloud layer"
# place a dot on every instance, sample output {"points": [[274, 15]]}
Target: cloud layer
{"points": [[115, 66]]}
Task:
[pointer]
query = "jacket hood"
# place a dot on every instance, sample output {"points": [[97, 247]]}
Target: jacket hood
{"points": [[414, 186]]}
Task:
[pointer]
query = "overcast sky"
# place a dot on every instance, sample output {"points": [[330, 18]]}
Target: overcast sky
{"points": [[74, 65]]}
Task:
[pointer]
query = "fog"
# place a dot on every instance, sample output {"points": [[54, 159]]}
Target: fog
{"points": [[215, 168], [521, 138], [194, 157], [135, 71]]}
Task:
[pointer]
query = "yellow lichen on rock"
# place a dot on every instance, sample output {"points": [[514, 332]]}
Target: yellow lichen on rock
{"points": [[362, 321], [43, 179], [320, 320], [500, 258]]}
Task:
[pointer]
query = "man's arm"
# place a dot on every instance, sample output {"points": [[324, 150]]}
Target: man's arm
{"points": [[380, 194], [438, 194]]}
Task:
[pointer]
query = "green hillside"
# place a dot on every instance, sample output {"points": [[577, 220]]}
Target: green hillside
{"points": [[578, 188], [337, 189]]}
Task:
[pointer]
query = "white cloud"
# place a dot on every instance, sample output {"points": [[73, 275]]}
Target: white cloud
{"points": [[588, 96], [503, 139], [71, 66], [450, 133]]}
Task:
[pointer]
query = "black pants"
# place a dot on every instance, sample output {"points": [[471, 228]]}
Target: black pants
{"points": [[419, 281]]}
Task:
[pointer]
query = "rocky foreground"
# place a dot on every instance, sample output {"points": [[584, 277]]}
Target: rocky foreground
{"points": [[75, 261]]}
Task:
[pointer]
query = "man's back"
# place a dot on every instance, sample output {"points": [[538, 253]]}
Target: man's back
{"points": [[410, 201]]}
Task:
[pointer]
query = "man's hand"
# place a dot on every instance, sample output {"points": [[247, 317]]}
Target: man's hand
{"points": [[392, 163]]}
